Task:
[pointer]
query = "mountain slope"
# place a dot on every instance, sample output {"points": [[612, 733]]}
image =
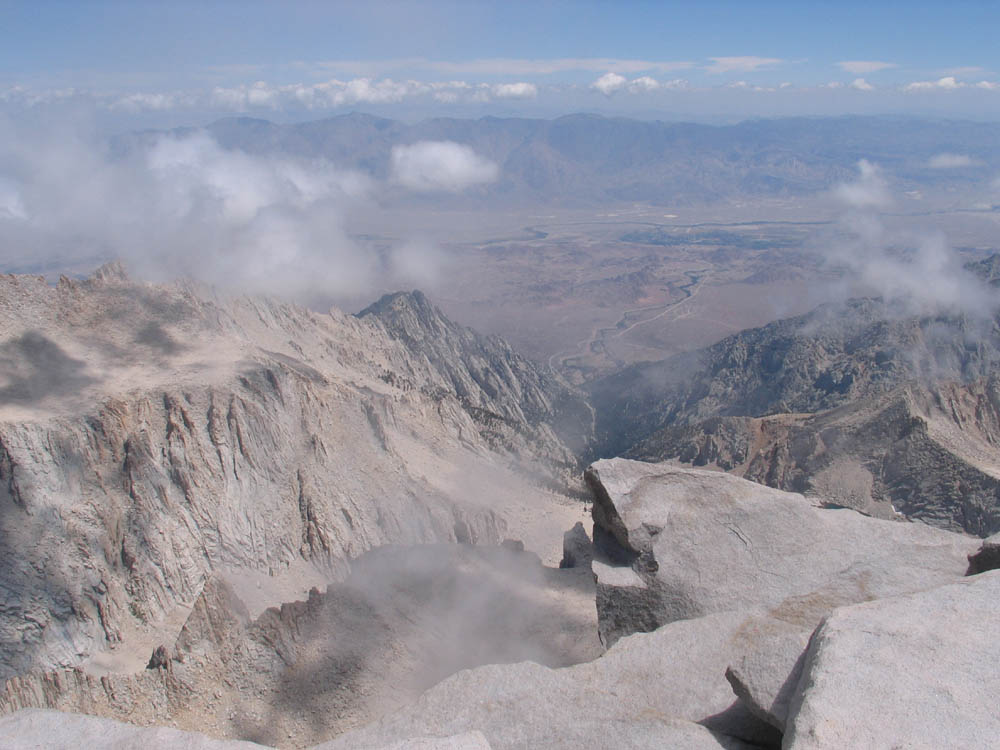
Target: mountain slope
{"points": [[153, 435], [805, 364], [931, 453]]}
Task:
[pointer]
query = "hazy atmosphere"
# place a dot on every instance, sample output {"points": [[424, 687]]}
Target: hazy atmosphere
{"points": [[480, 375]]}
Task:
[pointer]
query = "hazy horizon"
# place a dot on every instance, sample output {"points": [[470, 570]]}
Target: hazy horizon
{"points": [[151, 65]]}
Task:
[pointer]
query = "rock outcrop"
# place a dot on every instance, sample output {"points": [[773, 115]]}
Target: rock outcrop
{"points": [[691, 542], [501, 390], [766, 678], [907, 671], [151, 436]]}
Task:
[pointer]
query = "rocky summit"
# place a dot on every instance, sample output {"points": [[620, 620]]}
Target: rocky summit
{"points": [[235, 522]]}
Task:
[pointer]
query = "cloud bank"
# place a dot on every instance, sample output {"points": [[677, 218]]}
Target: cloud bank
{"points": [[171, 206], [611, 82], [430, 166], [917, 273]]}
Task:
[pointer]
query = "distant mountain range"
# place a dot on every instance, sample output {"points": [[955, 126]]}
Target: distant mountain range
{"points": [[585, 159]]}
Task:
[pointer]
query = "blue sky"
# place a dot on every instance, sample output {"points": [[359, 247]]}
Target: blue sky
{"points": [[184, 61]]}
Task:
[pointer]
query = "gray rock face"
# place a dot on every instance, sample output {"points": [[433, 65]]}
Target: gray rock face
{"points": [[696, 542], [666, 687], [910, 671], [151, 436], [217, 619], [54, 730], [765, 679]]}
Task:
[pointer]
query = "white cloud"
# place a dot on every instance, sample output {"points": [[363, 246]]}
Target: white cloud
{"points": [[644, 83], [861, 67], [747, 86], [416, 263], [947, 83], [746, 64], [868, 191], [950, 83], [861, 85], [182, 206], [950, 161], [519, 90], [609, 83], [897, 265], [440, 166], [328, 94]]}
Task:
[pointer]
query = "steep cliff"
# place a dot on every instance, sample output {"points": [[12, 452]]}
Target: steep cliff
{"points": [[153, 435]]}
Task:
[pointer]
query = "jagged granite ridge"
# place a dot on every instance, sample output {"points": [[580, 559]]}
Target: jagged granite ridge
{"points": [[155, 434]]}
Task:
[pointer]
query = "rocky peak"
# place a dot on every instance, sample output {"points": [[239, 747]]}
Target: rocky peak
{"points": [[112, 272], [409, 315], [494, 383]]}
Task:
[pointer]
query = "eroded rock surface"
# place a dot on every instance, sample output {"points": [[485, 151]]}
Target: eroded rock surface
{"points": [[860, 403]]}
